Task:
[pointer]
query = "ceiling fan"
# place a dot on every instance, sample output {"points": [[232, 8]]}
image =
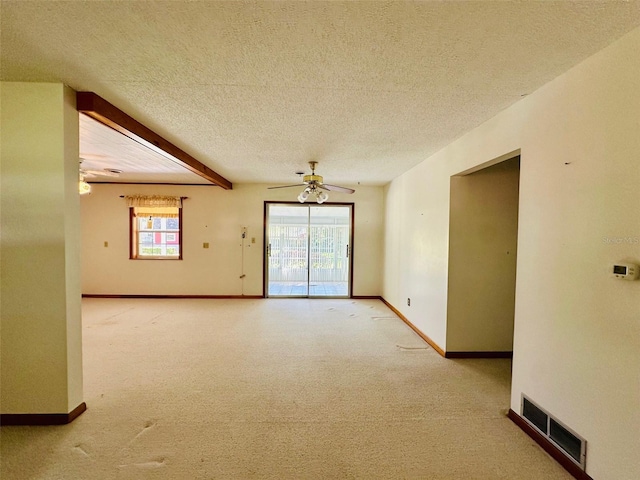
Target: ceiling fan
{"points": [[84, 187], [315, 186]]}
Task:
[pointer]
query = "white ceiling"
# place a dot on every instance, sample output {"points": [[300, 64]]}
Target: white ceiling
{"points": [[102, 148], [254, 90]]}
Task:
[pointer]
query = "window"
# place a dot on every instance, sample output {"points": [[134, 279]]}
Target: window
{"points": [[156, 232]]}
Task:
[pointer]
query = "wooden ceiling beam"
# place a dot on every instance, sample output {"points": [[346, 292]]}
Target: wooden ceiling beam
{"points": [[99, 109]]}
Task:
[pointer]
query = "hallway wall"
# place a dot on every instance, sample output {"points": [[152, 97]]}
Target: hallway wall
{"points": [[577, 334]]}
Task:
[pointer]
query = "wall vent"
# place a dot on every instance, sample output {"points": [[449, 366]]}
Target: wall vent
{"points": [[536, 416], [571, 444]]}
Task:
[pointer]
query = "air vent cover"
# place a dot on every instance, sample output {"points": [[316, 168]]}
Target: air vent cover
{"points": [[572, 445], [535, 415]]}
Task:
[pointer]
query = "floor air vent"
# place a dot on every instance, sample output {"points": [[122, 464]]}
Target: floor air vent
{"points": [[572, 445]]}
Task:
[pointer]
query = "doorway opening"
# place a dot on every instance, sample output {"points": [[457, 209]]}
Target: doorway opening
{"points": [[308, 250], [483, 241]]}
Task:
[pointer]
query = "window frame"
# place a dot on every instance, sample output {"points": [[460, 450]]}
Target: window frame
{"points": [[134, 243]]}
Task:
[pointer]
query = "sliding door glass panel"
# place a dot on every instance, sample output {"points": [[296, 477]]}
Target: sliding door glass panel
{"points": [[288, 250], [329, 233]]}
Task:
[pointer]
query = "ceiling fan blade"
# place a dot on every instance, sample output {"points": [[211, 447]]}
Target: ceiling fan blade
{"points": [[336, 188], [288, 186], [100, 173]]}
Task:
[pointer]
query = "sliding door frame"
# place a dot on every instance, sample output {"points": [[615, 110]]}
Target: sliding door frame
{"points": [[265, 246]]}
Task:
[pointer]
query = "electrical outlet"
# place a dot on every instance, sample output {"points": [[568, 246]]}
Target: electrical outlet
{"points": [[408, 302]]}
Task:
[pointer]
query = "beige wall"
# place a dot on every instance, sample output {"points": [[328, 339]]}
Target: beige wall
{"points": [[483, 237], [40, 320], [215, 216], [577, 329]]}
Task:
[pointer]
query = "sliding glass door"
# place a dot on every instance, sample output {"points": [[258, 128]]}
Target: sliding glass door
{"points": [[308, 250]]}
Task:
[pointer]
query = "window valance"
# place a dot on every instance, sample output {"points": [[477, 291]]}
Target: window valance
{"points": [[153, 201], [158, 212]]}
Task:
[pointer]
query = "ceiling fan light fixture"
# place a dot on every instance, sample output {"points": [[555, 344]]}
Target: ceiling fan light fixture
{"points": [[322, 197], [304, 195], [84, 188]]}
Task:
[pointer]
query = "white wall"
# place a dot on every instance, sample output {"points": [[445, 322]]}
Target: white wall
{"points": [[577, 330], [40, 274], [216, 216], [483, 237]]}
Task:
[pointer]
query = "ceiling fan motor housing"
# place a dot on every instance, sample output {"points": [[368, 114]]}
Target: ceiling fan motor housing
{"points": [[312, 179]]}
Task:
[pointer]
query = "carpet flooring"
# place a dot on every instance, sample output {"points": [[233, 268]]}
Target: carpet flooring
{"points": [[275, 389]]}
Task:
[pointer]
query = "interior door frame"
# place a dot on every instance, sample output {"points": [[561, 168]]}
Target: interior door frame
{"points": [[265, 260]]}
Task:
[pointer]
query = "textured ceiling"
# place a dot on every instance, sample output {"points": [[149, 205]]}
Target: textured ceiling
{"points": [[256, 89]]}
